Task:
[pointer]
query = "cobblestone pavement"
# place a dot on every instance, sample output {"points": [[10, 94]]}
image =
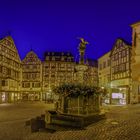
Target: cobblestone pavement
{"points": [[122, 123]]}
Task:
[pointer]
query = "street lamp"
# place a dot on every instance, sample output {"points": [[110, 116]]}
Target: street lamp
{"points": [[102, 87]]}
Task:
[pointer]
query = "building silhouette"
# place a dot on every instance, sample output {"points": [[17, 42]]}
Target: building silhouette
{"points": [[33, 79], [117, 71]]}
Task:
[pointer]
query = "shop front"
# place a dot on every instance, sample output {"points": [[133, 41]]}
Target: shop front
{"points": [[120, 92], [31, 96], [47, 96], [9, 97], [3, 97], [120, 96]]}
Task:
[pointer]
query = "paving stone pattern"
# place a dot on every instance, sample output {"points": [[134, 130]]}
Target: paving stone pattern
{"points": [[122, 123]]}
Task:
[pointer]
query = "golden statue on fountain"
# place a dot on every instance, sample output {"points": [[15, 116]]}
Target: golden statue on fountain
{"points": [[82, 47]]}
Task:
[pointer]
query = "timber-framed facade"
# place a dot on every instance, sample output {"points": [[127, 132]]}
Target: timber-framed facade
{"points": [[31, 77], [10, 71], [120, 72]]}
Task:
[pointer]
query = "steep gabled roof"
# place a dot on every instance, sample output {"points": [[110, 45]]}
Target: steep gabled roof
{"points": [[120, 43], [9, 42], [31, 58]]}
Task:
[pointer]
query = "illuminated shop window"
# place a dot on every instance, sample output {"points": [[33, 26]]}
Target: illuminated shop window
{"points": [[3, 97]]}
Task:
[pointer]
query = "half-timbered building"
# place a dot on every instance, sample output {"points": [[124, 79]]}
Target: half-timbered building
{"points": [[31, 77], [120, 72], [91, 74], [10, 71], [104, 75], [58, 68]]}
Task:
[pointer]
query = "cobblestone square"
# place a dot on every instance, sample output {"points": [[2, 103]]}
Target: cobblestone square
{"points": [[122, 123]]}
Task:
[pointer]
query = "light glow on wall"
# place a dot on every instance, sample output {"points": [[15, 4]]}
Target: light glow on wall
{"points": [[117, 95], [3, 97]]}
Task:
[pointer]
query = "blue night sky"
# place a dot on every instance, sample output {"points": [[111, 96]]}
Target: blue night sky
{"points": [[55, 25]]}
